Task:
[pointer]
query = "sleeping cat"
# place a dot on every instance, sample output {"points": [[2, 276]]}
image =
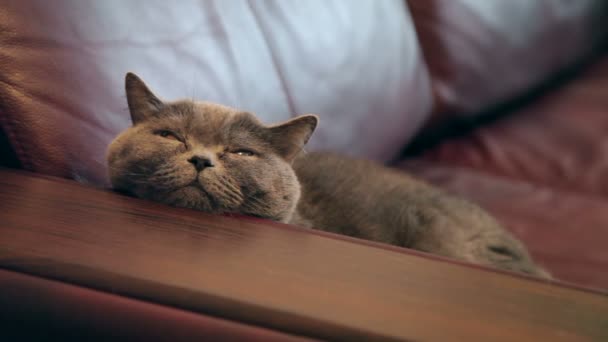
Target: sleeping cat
{"points": [[217, 159]]}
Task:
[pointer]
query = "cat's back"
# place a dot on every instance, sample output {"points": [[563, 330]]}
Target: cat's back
{"points": [[333, 171], [342, 193], [364, 199]]}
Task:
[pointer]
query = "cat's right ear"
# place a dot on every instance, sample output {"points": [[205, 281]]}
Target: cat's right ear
{"points": [[142, 102]]}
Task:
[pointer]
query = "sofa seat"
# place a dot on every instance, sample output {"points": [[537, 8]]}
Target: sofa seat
{"points": [[541, 171]]}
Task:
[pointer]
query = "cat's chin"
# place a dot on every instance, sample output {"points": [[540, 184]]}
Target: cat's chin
{"points": [[191, 197]]}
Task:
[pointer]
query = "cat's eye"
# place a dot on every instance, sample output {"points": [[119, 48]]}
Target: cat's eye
{"points": [[243, 153], [167, 134]]}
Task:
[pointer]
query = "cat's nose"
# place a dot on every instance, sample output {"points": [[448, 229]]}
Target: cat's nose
{"points": [[201, 162]]}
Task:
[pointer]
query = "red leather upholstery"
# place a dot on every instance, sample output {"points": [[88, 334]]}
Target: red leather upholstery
{"points": [[360, 67], [483, 52], [565, 231], [559, 141], [62, 311], [62, 66], [542, 171]]}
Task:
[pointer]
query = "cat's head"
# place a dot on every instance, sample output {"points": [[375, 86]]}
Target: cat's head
{"points": [[207, 157]]}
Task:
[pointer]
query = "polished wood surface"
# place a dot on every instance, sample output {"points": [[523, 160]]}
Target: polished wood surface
{"points": [[276, 276]]}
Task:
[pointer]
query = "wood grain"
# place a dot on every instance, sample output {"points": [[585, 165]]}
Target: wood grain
{"points": [[275, 276]]}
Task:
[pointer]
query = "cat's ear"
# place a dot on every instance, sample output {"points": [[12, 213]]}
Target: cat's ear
{"points": [[289, 137], [142, 102]]}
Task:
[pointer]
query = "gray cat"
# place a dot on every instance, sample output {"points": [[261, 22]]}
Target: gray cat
{"points": [[217, 159]]}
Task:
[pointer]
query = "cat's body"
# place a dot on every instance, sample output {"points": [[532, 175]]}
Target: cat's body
{"points": [[216, 159], [363, 199]]}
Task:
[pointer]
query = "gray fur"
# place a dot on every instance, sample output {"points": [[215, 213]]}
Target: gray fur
{"points": [[159, 158]]}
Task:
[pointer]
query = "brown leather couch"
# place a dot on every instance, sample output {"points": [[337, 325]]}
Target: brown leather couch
{"points": [[502, 102]]}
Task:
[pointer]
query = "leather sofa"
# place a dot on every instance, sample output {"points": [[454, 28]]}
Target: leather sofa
{"points": [[502, 102]]}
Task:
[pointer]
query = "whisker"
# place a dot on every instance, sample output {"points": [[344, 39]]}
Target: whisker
{"points": [[228, 184], [256, 203], [231, 195]]}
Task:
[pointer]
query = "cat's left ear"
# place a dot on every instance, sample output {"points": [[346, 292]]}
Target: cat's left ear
{"points": [[290, 137], [142, 102]]}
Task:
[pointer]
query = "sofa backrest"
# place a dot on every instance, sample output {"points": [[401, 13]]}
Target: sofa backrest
{"points": [[63, 65]]}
